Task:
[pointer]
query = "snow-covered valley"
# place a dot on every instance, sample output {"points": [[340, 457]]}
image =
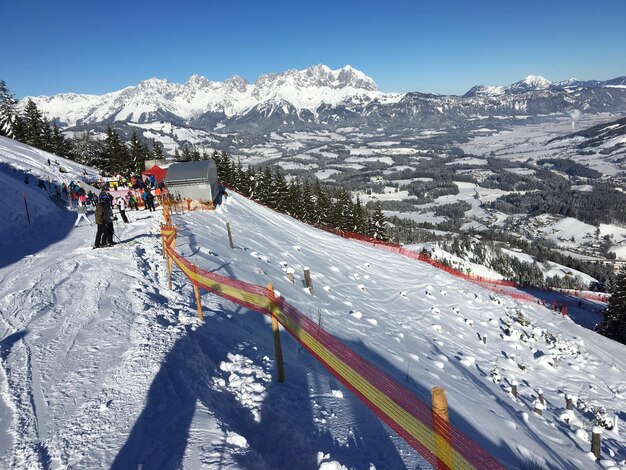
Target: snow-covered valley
{"points": [[103, 366]]}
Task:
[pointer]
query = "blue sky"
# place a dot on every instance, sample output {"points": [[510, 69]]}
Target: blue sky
{"points": [[444, 46]]}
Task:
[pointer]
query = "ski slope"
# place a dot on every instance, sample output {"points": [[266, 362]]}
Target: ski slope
{"points": [[103, 366]]}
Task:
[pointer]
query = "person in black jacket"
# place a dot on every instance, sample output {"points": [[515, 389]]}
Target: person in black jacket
{"points": [[104, 219]]}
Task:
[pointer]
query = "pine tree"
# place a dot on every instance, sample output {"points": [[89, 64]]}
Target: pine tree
{"points": [[47, 141], [378, 225], [115, 154], [60, 146], [86, 150], [195, 155], [264, 186], [614, 323], [34, 123], [157, 150], [8, 111], [185, 154], [293, 202], [280, 190], [137, 155], [340, 212], [307, 204], [323, 205], [358, 218]]}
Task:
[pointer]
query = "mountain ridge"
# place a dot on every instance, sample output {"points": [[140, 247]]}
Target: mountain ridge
{"points": [[319, 97]]}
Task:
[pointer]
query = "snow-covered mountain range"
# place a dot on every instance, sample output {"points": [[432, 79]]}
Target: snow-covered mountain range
{"points": [[316, 98], [155, 98], [319, 95]]}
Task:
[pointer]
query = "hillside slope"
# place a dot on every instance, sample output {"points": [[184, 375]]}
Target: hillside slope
{"points": [[103, 366]]}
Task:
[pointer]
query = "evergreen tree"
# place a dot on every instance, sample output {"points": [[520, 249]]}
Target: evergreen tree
{"points": [[341, 211], [86, 150], [280, 190], [19, 128], [137, 155], [115, 154], [264, 186], [195, 155], [293, 201], [378, 225], [323, 205], [357, 223], [8, 111], [34, 124], [185, 154], [157, 150], [47, 141], [60, 146], [307, 204], [614, 323]]}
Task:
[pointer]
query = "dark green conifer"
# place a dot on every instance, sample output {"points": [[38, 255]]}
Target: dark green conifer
{"points": [[614, 324]]}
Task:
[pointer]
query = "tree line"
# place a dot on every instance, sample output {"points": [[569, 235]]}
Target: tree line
{"points": [[310, 202]]}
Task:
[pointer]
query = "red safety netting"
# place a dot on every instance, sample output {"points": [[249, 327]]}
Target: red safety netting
{"points": [[409, 416]]}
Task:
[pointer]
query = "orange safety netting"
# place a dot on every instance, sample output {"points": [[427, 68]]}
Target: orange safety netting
{"points": [[409, 416]]}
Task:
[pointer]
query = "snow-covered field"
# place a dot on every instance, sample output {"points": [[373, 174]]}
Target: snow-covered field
{"points": [[530, 141], [103, 366]]}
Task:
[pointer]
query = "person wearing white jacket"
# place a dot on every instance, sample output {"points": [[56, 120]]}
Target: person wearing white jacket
{"points": [[81, 211], [121, 206]]}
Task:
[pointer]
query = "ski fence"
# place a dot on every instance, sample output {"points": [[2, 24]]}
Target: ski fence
{"points": [[435, 439]]}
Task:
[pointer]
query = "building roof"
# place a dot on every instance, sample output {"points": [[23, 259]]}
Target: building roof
{"points": [[191, 171]]}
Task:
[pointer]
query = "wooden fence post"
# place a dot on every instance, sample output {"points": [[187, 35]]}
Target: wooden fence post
{"points": [[307, 280], [169, 270], [569, 402], [596, 437], [541, 398], [514, 388], [441, 424], [277, 346], [290, 273], [230, 236], [196, 291]]}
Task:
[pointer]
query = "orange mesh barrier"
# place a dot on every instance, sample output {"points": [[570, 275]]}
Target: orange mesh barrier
{"points": [[410, 417]]}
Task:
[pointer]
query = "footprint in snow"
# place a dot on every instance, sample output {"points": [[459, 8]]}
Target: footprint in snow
{"points": [[403, 294], [297, 247], [356, 314], [372, 321], [435, 311], [334, 269], [356, 276], [362, 287]]}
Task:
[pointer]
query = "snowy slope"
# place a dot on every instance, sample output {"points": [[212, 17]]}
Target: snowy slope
{"points": [[103, 366]]}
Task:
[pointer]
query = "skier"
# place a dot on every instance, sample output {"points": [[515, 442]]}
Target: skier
{"points": [[150, 200], [121, 206], [81, 211], [104, 219]]}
